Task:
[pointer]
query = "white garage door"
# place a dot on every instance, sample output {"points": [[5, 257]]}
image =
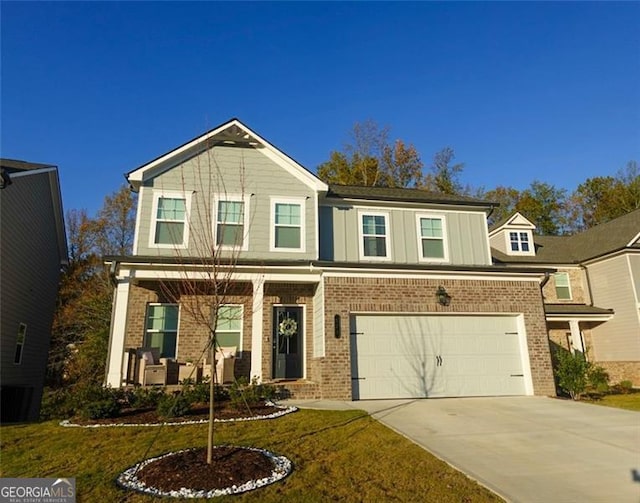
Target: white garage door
{"points": [[435, 356]]}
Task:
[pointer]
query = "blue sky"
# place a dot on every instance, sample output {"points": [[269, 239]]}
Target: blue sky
{"points": [[521, 91]]}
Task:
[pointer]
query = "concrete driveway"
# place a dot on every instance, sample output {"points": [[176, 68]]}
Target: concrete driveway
{"points": [[526, 449]]}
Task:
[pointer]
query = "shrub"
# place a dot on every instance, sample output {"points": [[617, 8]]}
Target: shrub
{"points": [[174, 405], [56, 404], [141, 398], [200, 392], [101, 409], [242, 393], [597, 378], [624, 386], [575, 374]]}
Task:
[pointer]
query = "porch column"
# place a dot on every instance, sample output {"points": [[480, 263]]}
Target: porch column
{"points": [[116, 340], [576, 336], [256, 328]]}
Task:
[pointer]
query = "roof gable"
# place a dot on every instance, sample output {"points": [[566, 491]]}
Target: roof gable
{"points": [[232, 132], [515, 221]]}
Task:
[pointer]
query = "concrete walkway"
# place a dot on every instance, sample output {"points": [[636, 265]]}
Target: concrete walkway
{"points": [[526, 449]]}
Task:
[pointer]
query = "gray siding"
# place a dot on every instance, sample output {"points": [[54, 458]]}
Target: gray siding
{"points": [[612, 287], [29, 272], [230, 170], [466, 234]]}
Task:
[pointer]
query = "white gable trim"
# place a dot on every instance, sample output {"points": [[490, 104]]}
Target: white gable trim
{"points": [[633, 241], [170, 159], [516, 221]]}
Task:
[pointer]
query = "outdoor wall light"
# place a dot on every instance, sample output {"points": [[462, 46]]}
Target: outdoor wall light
{"points": [[336, 326], [444, 299]]}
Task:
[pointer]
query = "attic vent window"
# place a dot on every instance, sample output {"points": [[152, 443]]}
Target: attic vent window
{"points": [[519, 241]]}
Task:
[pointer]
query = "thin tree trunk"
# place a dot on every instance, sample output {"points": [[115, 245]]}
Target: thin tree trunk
{"points": [[212, 389]]}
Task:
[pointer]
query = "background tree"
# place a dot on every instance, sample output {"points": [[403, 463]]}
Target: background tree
{"points": [[370, 160], [603, 198], [80, 330], [545, 206], [445, 177]]}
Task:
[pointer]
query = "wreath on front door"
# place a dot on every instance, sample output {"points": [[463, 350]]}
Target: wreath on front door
{"points": [[288, 327]]}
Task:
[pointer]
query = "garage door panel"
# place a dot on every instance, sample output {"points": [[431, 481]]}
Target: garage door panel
{"points": [[420, 356]]}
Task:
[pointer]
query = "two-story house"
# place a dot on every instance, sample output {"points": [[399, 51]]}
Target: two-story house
{"points": [[33, 252], [592, 301], [336, 292]]}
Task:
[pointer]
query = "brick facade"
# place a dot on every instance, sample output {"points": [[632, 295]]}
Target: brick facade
{"points": [[345, 295], [330, 376]]}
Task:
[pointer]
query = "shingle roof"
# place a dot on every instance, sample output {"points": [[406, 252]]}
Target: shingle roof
{"points": [[595, 242], [13, 165], [401, 194], [575, 309]]}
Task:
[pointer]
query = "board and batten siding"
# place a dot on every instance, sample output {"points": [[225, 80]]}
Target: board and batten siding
{"points": [[466, 234], [612, 287], [236, 171]]}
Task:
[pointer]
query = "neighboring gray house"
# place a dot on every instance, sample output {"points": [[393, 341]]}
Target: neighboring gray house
{"points": [[592, 301], [341, 292], [33, 251]]}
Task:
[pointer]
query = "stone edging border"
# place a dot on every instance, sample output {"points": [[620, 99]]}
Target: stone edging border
{"points": [[283, 410], [128, 479]]}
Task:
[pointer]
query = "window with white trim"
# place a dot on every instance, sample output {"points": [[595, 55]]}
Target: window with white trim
{"points": [[161, 328], [288, 224], [374, 236], [20, 338], [229, 327], [563, 286], [231, 222], [170, 225], [520, 242], [432, 238]]}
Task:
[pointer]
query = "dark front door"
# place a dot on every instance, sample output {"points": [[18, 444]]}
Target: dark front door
{"points": [[287, 342]]}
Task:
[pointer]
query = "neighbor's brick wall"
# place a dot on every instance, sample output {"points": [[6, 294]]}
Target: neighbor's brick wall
{"points": [[346, 295], [622, 371]]}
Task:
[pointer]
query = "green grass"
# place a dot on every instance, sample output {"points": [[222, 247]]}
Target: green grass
{"points": [[337, 456], [629, 401]]}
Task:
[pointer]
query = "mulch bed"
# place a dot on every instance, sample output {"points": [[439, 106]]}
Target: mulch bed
{"points": [[231, 466], [223, 411]]}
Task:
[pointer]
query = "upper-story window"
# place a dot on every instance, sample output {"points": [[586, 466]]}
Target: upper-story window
{"points": [[161, 330], [287, 233], [170, 225], [563, 287], [432, 238], [231, 222], [374, 236], [520, 242]]}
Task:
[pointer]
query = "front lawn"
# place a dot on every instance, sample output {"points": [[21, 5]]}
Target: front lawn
{"points": [[337, 456], [629, 401]]}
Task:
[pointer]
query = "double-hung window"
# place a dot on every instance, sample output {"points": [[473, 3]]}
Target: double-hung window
{"points": [[519, 242], [563, 287], [229, 326], [161, 328], [374, 236], [288, 224], [231, 222], [22, 333], [432, 238], [170, 226]]}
